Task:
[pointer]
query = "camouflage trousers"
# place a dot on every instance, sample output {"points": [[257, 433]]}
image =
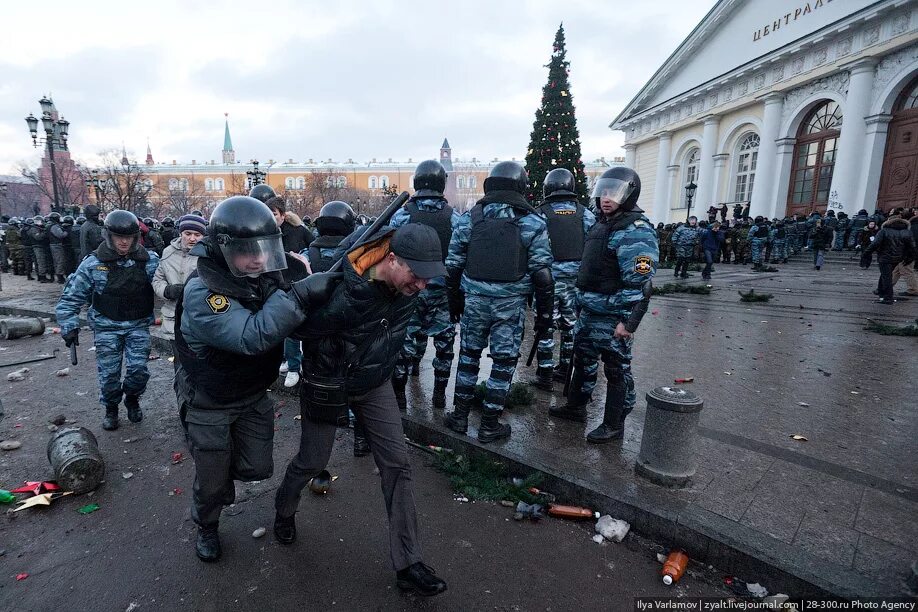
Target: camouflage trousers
{"points": [[58, 259], [779, 250], [134, 345], [431, 318], [758, 249], [740, 251], [28, 258], [565, 316], [42, 260], [496, 323], [594, 338]]}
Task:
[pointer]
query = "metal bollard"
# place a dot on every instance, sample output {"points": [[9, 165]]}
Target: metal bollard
{"points": [[667, 455], [76, 460], [19, 327]]}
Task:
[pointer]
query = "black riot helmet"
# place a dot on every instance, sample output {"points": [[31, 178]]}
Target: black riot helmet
{"points": [[622, 184], [247, 235], [38, 220], [507, 176], [336, 218], [429, 179], [262, 192], [121, 223], [80, 220], [67, 220], [559, 182], [54, 217], [92, 212], [168, 222]]}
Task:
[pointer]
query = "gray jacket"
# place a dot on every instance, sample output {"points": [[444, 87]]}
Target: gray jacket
{"points": [[174, 268]]}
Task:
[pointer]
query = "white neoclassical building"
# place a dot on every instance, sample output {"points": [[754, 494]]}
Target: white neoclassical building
{"points": [[790, 105]]}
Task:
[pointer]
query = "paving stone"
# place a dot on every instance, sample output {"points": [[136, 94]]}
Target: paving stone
{"points": [[819, 535], [884, 562], [889, 518]]}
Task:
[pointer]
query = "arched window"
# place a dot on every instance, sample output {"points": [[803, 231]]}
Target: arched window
{"points": [[329, 181], [747, 156], [473, 182], [814, 159], [208, 184], [183, 184], [373, 183], [341, 182], [301, 182], [289, 183], [384, 182], [689, 173], [460, 182], [173, 184], [218, 185]]}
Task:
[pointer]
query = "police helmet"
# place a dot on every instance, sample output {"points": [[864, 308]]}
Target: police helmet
{"points": [[67, 220], [196, 213], [262, 192], [80, 220], [168, 222], [4, 218], [759, 220], [622, 184], [507, 176], [559, 182], [29, 221], [92, 211], [121, 223], [38, 220], [336, 218], [247, 235], [429, 179], [54, 217]]}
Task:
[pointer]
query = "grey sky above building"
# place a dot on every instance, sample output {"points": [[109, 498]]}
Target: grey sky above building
{"points": [[323, 80]]}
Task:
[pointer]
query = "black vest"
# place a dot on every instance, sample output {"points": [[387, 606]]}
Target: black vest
{"points": [[761, 231], [223, 375], [317, 261], [441, 221], [565, 231], [780, 233], [128, 294], [600, 272], [496, 250]]}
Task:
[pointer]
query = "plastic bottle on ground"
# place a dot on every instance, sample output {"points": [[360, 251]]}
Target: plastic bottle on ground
{"points": [[674, 567]]}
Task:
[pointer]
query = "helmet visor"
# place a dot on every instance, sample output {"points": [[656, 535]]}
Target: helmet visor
{"points": [[114, 240], [614, 188], [254, 256]]}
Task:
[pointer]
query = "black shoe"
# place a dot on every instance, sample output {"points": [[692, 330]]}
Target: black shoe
{"points": [[560, 372], [110, 422], [491, 429], [132, 403], [886, 302], [606, 433], [421, 579], [572, 411], [543, 379], [415, 367], [361, 446], [29, 276], [43, 279], [208, 544], [398, 385], [60, 279], [439, 393], [285, 529], [458, 419]]}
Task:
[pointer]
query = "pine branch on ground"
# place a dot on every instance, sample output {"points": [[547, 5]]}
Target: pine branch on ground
{"points": [[892, 330], [752, 296], [677, 288], [478, 477]]}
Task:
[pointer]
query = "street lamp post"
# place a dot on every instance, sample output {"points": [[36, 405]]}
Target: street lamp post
{"points": [[256, 176], [56, 132], [689, 195], [3, 188]]}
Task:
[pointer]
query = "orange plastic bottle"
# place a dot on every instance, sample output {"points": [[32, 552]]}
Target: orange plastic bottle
{"points": [[674, 567], [571, 512]]}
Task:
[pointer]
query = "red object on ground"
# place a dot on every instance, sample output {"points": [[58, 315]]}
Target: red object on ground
{"points": [[157, 321], [177, 458], [36, 487], [687, 379], [572, 512], [22, 576], [674, 566]]}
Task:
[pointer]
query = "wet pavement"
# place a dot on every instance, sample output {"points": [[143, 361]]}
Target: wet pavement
{"points": [[837, 511]]}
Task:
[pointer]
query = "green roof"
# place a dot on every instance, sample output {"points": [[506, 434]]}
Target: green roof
{"points": [[227, 141]]}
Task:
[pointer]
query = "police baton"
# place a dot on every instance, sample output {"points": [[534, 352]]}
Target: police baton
{"points": [[381, 221], [532, 351], [73, 355]]}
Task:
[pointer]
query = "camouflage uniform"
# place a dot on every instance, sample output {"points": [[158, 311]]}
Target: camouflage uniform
{"points": [[841, 228], [14, 245], [758, 243], [684, 240], [112, 338], [494, 312], [565, 311], [40, 251], [778, 237]]}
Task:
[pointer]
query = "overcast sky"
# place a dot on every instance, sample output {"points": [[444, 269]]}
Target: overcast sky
{"points": [[323, 79]]}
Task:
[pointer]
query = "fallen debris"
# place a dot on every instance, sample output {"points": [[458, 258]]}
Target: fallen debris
{"points": [[21, 576], [259, 532], [687, 379], [599, 539], [571, 512], [18, 375], [58, 420], [177, 458], [752, 296], [892, 330], [88, 508], [8, 445], [799, 438], [127, 475], [64, 372], [533, 512], [676, 288], [6, 497], [802, 404], [674, 567], [612, 529]]}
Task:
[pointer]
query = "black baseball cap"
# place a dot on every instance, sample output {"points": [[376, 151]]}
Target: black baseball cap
{"points": [[419, 246]]}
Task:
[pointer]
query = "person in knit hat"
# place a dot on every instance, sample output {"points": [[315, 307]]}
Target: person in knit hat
{"points": [[175, 266]]}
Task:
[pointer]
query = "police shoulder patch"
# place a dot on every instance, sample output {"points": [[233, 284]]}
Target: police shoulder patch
{"points": [[639, 223], [643, 264], [102, 268], [218, 303]]}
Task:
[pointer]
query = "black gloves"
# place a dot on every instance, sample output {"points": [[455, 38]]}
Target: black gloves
{"points": [[71, 338], [454, 294], [172, 292], [544, 286], [315, 289]]}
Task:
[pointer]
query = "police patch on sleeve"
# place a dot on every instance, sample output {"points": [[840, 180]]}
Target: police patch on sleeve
{"points": [[643, 264], [218, 303]]}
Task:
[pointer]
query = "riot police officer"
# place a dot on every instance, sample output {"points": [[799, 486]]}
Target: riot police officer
{"points": [[336, 221], [168, 231], [499, 254], [619, 260], [758, 239], [568, 224], [116, 280], [28, 255], [41, 249], [429, 207], [59, 238], [90, 231], [230, 323]]}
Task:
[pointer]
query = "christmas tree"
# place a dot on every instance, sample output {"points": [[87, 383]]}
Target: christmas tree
{"points": [[555, 141]]}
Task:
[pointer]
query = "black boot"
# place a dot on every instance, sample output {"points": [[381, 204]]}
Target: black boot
{"points": [[575, 408], [544, 379], [613, 421], [285, 529], [208, 544], [132, 403], [361, 446], [60, 279], [439, 392], [491, 428], [110, 422], [29, 276], [43, 279], [560, 372], [421, 579], [458, 419], [415, 367], [398, 385]]}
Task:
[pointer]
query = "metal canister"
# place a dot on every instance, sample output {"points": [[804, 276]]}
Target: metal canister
{"points": [[76, 460], [19, 327]]}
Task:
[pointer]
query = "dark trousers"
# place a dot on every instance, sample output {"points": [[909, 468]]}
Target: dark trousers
{"points": [[378, 412], [681, 264], [709, 263], [885, 286]]}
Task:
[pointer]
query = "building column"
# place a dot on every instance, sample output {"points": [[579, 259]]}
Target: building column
{"points": [[706, 168], [630, 153], [672, 174], [849, 165], [720, 161], [875, 150], [766, 190], [784, 162], [660, 191]]}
